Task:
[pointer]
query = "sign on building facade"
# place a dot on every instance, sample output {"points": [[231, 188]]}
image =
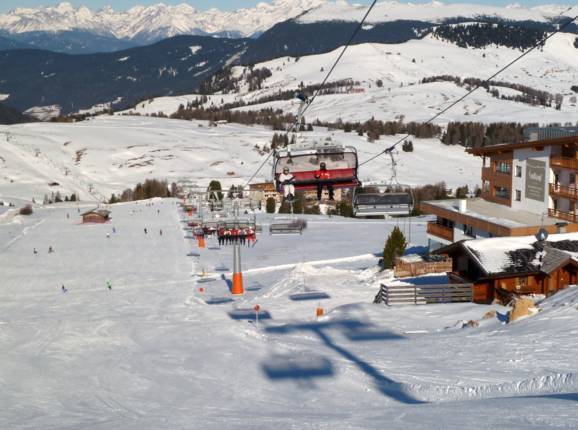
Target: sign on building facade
{"points": [[535, 180]]}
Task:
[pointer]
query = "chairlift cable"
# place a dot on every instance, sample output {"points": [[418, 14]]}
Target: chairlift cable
{"points": [[312, 99], [347, 45], [536, 45]]}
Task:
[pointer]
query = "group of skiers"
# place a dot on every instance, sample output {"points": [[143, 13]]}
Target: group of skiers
{"points": [[322, 175], [242, 236]]}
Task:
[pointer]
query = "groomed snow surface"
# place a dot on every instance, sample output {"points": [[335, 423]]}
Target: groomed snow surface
{"points": [[156, 351]]}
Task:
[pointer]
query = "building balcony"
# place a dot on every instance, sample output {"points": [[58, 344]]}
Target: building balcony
{"points": [[441, 231], [564, 162], [566, 216], [564, 191]]}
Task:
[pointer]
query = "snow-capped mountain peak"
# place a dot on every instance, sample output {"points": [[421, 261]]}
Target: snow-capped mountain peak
{"points": [[159, 20]]}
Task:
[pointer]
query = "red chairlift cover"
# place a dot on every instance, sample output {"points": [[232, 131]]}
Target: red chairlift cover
{"points": [[341, 166]]}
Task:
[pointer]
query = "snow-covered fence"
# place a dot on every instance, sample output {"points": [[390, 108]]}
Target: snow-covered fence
{"points": [[407, 267], [424, 294]]}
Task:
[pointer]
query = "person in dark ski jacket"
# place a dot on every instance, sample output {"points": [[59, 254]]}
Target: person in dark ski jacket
{"points": [[323, 178]]}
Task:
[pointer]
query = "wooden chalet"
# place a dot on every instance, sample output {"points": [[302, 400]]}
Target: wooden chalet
{"points": [[96, 216], [500, 268]]}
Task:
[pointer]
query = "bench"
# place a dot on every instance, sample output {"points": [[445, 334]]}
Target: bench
{"points": [[286, 228]]}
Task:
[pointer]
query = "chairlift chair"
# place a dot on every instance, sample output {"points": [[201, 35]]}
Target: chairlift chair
{"points": [[395, 200], [382, 204], [303, 160]]}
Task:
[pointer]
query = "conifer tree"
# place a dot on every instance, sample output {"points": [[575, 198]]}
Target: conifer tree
{"points": [[394, 247]]}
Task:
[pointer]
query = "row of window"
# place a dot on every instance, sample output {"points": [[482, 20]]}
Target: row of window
{"points": [[503, 167]]}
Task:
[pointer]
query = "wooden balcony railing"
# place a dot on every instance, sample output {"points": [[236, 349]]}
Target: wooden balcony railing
{"points": [[439, 230], [564, 191], [565, 162], [566, 216]]}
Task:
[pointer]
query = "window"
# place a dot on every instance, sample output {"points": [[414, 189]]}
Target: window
{"points": [[518, 196], [518, 171], [501, 192], [503, 167], [486, 186], [521, 283], [468, 230]]}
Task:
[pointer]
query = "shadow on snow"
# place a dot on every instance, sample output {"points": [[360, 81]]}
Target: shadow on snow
{"points": [[354, 330]]}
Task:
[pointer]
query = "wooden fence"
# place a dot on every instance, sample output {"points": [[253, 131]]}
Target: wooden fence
{"points": [[424, 294], [405, 269]]}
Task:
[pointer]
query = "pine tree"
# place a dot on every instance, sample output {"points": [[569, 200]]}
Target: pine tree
{"points": [[394, 247]]}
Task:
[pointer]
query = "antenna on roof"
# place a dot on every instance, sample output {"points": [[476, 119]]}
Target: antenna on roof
{"points": [[542, 234]]}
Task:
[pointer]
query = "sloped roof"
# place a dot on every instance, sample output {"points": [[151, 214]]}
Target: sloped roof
{"points": [[102, 212], [521, 254]]}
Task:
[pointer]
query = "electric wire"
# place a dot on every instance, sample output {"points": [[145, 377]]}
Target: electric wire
{"points": [[329, 73], [532, 48]]}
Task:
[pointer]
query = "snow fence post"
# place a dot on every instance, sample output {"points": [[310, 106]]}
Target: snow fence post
{"points": [[237, 288]]}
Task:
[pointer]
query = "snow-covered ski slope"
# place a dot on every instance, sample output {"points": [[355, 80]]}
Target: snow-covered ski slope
{"points": [[112, 153], [156, 351], [401, 68]]}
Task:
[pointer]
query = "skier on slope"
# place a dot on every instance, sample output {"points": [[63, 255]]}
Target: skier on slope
{"points": [[286, 179]]}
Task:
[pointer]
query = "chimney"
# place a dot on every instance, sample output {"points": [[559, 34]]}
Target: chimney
{"points": [[462, 206]]}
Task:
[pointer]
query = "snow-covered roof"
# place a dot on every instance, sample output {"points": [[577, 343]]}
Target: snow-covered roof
{"points": [[524, 253]]}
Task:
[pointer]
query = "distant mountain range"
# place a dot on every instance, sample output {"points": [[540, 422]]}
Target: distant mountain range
{"points": [[177, 65], [64, 28], [82, 30]]}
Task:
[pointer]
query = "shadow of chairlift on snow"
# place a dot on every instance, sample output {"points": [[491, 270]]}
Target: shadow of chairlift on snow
{"points": [[309, 295], [255, 287], [427, 280], [356, 331], [299, 368], [206, 280], [249, 314], [221, 268], [219, 300]]}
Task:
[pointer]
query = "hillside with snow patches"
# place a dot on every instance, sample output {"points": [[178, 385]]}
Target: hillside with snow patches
{"points": [[106, 155], [400, 68]]}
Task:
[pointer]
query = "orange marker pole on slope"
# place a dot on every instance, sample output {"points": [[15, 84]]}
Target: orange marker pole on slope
{"points": [[237, 289]]}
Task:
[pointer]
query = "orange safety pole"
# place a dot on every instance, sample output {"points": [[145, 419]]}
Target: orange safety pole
{"points": [[201, 241], [237, 288]]}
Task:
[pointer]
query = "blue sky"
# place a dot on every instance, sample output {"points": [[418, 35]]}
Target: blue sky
{"points": [[6, 5]]}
